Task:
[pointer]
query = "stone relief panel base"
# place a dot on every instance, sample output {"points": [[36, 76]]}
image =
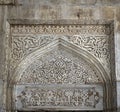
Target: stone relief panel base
{"points": [[86, 97]]}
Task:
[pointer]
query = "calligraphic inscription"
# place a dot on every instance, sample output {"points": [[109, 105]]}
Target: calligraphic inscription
{"points": [[79, 98]]}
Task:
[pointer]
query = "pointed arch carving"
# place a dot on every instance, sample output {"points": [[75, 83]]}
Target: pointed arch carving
{"points": [[79, 55], [62, 67], [58, 66]]}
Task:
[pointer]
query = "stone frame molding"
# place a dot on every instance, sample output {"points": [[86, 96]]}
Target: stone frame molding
{"points": [[108, 104]]}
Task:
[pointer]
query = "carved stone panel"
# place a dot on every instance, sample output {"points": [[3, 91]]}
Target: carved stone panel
{"points": [[61, 98], [59, 77]]}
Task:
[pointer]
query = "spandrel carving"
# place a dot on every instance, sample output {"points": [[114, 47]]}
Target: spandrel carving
{"points": [[24, 45], [96, 45]]}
